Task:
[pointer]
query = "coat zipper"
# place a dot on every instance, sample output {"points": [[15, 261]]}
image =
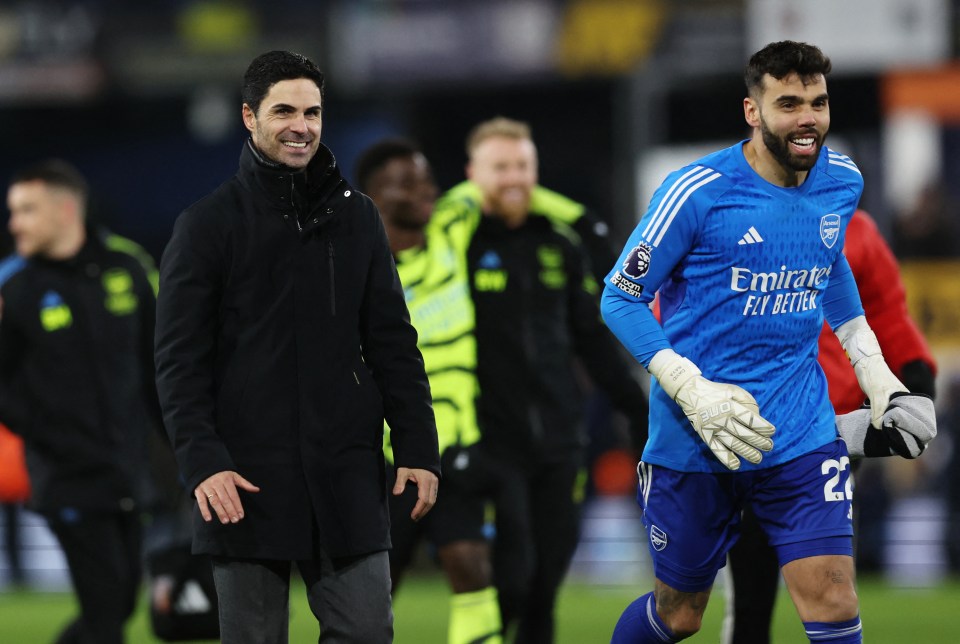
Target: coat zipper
{"points": [[333, 281], [293, 206]]}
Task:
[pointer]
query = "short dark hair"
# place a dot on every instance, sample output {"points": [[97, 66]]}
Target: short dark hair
{"points": [[780, 59], [375, 157], [272, 67], [57, 173]]}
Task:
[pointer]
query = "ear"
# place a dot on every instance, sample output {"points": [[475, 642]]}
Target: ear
{"points": [[468, 170], [249, 118], [69, 209], [751, 112]]}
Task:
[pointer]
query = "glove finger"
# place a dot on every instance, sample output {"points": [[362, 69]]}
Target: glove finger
{"points": [[912, 413], [739, 447], [879, 405], [758, 424], [903, 443], [728, 458], [748, 414], [903, 421], [712, 438], [746, 432]]}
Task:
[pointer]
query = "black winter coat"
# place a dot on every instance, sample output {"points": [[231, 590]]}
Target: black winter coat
{"points": [[283, 342], [76, 375], [537, 311]]}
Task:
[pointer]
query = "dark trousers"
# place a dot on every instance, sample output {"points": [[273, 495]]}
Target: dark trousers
{"points": [[103, 554], [350, 598], [755, 573], [11, 541], [538, 526]]}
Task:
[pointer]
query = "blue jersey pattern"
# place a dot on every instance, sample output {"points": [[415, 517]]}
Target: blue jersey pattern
{"points": [[746, 272]]}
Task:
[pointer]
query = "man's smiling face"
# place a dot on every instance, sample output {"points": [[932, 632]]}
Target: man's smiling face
{"points": [[286, 128]]}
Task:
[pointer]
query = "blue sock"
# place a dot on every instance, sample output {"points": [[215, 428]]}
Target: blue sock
{"points": [[848, 632], [640, 624]]}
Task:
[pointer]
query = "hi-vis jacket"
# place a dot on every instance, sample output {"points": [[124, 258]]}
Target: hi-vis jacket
{"points": [[537, 312], [437, 291]]}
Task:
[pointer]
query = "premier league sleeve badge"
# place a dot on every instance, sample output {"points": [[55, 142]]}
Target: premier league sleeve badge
{"points": [[634, 267], [637, 262]]}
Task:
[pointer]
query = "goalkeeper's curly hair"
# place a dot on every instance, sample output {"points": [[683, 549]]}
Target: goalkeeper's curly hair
{"points": [[780, 59]]}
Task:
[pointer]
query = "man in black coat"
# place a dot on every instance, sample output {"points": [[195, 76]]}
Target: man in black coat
{"points": [[76, 381], [537, 317], [283, 342]]}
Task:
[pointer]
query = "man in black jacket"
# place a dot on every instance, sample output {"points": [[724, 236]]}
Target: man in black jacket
{"points": [[76, 381], [283, 342], [537, 318]]}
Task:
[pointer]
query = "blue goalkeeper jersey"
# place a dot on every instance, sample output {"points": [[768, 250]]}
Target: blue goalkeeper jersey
{"points": [[747, 271]]}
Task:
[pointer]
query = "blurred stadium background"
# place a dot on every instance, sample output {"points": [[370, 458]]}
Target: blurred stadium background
{"points": [[144, 97]]}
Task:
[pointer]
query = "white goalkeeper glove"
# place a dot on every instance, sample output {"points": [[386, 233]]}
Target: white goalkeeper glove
{"points": [[875, 378], [725, 416], [907, 426]]}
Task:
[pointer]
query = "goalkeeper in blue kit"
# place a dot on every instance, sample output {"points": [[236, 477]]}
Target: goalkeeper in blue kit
{"points": [[745, 248]]}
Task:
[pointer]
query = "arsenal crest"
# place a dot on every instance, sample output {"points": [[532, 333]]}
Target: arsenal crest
{"points": [[830, 229], [658, 538]]}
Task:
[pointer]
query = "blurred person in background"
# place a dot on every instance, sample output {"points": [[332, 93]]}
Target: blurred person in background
{"points": [[604, 431], [76, 382], [754, 570], [398, 177], [928, 228], [283, 344], [14, 481], [181, 597], [952, 475], [537, 314], [14, 492], [745, 247]]}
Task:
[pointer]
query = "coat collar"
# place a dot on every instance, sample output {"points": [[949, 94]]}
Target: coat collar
{"points": [[321, 178]]}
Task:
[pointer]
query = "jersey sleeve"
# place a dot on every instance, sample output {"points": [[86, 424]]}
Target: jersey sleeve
{"points": [[456, 216], [841, 300], [655, 250]]}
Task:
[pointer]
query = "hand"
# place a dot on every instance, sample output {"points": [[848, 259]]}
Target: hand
{"points": [[219, 492], [426, 482], [875, 378], [878, 383], [725, 416], [906, 428]]}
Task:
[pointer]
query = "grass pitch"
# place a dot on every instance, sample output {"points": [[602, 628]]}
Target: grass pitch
{"points": [[585, 615]]}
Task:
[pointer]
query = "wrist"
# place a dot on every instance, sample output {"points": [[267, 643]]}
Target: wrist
{"points": [[858, 340], [672, 371]]}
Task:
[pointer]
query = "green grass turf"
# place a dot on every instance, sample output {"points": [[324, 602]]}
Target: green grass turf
{"points": [[586, 614]]}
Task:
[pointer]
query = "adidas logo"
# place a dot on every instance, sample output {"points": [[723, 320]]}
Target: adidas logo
{"points": [[752, 237]]}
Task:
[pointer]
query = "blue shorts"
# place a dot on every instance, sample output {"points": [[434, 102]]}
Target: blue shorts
{"points": [[692, 519]]}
